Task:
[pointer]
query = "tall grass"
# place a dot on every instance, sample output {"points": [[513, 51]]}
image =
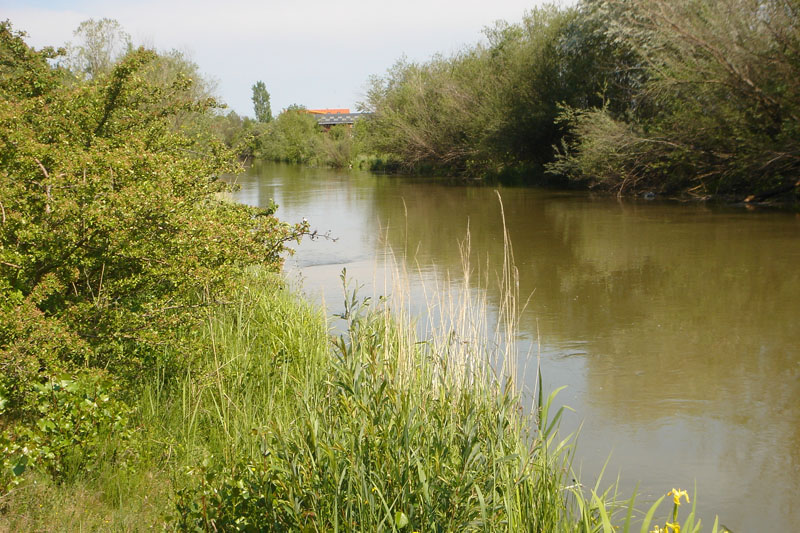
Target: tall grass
{"points": [[382, 432], [377, 429], [390, 425]]}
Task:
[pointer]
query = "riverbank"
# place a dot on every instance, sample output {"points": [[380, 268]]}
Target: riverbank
{"points": [[784, 197], [631, 305], [277, 426]]}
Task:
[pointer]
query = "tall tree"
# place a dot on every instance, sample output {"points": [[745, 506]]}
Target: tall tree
{"points": [[261, 102], [100, 44]]}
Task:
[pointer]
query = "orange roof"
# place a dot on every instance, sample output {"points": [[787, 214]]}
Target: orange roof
{"points": [[327, 111]]}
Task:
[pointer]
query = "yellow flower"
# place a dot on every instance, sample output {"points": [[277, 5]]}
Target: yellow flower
{"points": [[676, 495], [676, 527], [657, 529]]}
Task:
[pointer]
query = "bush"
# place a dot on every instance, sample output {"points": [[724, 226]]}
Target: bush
{"points": [[113, 227], [115, 235], [78, 418]]}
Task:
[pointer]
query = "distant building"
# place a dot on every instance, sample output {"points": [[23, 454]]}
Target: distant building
{"points": [[328, 111], [331, 117]]}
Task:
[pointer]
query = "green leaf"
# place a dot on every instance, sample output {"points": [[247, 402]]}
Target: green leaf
{"points": [[400, 519], [649, 516], [20, 466]]}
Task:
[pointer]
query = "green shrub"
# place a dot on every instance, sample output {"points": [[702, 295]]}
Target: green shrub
{"points": [[115, 237], [716, 110], [78, 421], [113, 227]]}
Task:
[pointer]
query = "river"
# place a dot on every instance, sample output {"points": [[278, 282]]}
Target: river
{"points": [[675, 327]]}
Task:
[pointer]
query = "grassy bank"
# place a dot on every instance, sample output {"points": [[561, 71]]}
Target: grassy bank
{"points": [[279, 426]]}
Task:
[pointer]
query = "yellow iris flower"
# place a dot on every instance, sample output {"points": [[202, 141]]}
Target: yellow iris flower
{"points": [[676, 527], [676, 495]]}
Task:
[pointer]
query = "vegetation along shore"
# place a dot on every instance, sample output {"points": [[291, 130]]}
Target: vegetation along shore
{"points": [[157, 372], [679, 98]]}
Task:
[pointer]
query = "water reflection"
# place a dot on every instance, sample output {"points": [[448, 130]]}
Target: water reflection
{"points": [[675, 326]]}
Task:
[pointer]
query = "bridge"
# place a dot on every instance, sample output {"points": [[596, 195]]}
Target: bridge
{"points": [[332, 117]]}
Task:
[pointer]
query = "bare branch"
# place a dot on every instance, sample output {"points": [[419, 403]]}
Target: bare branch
{"points": [[46, 186]]}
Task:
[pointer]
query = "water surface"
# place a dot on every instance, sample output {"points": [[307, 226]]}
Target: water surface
{"points": [[674, 326]]}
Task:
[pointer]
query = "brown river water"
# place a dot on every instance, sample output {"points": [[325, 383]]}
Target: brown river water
{"points": [[675, 327]]}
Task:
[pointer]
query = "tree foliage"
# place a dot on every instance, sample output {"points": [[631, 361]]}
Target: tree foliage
{"points": [[296, 137], [630, 95], [718, 110], [490, 106], [114, 229], [100, 44], [261, 105]]}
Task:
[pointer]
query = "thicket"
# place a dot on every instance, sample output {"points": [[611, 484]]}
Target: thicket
{"points": [[627, 95], [114, 234], [717, 111], [493, 107]]}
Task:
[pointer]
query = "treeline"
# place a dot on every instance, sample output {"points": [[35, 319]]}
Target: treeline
{"points": [[631, 96], [668, 96], [292, 137]]}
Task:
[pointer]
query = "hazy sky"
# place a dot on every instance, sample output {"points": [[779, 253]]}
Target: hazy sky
{"points": [[318, 53]]}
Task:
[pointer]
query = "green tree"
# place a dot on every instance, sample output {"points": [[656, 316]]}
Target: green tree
{"points": [[489, 107], [293, 136], [113, 232], [718, 109], [261, 104], [101, 43]]}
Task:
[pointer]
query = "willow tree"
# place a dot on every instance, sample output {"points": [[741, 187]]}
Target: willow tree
{"points": [[720, 110], [493, 105]]}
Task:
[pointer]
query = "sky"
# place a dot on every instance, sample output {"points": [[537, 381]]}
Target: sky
{"points": [[316, 53]]}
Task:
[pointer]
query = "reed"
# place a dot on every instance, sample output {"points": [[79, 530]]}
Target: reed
{"points": [[401, 421], [391, 425]]}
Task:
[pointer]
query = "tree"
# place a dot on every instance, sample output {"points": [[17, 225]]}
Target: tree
{"points": [[174, 66], [293, 137], [490, 107], [261, 102], [113, 231], [718, 111], [101, 43]]}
